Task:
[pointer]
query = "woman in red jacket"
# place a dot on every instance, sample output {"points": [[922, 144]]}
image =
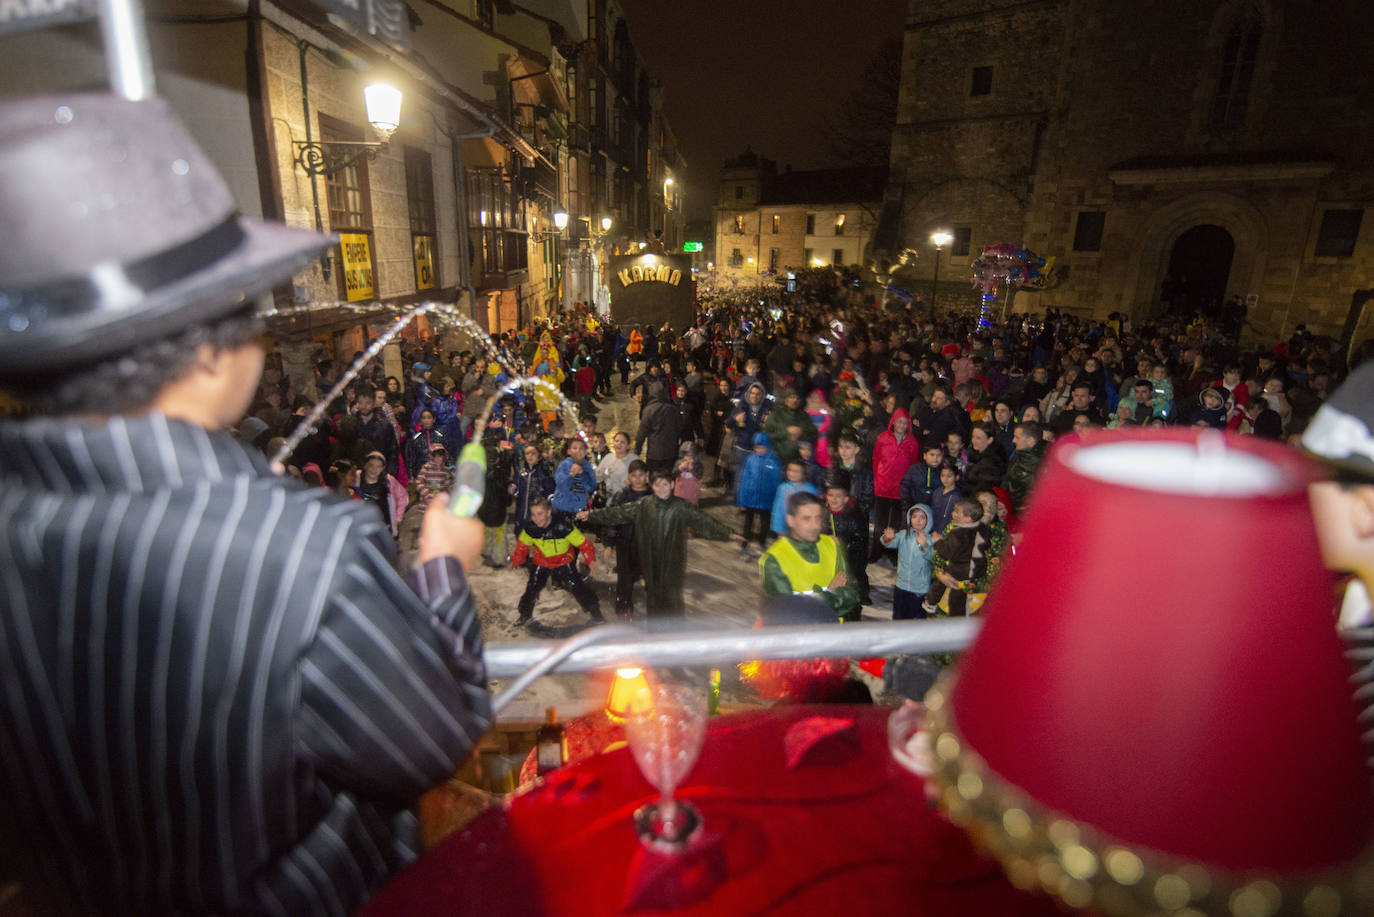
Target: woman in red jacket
{"points": [[895, 451]]}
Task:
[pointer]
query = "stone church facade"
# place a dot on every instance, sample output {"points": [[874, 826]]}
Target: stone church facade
{"points": [[1167, 153]]}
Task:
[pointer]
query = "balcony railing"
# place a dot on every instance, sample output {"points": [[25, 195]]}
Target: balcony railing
{"points": [[579, 138], [502, 258]]}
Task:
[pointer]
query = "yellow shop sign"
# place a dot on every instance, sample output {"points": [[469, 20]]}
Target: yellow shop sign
{"points": [[357, 265], [424, 262]]}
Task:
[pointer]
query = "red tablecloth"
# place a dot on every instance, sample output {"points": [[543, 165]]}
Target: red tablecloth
{"points": [[846, 831]]}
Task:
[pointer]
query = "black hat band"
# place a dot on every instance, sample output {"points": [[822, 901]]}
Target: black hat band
{"points": [[116, 287]]}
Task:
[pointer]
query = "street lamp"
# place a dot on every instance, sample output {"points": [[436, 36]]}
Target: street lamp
{"points": [[606, 224], [383, 108], [383, 113], [939, 238], [560, 223]]}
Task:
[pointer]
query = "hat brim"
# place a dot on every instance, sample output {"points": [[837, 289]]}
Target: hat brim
{"points": [[1343, 471], [1335, 430], [269, 254]]}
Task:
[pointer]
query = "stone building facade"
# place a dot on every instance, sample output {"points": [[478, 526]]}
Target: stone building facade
{"points": [[498, 101], [625, 163], [1166, 155], [768, 221]]}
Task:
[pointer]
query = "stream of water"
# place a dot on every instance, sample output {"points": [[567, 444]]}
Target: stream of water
{"points": [[439, 313]]}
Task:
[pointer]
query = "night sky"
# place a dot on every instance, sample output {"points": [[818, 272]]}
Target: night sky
{"points": [[758, 72]]}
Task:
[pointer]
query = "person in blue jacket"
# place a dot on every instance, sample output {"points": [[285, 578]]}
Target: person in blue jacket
{"points": [[795, 482], [575, 481], [758, 484], [747, 417], [915, 546]]}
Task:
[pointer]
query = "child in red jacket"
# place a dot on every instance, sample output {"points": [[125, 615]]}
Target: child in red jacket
{"points": [[555, 545]]}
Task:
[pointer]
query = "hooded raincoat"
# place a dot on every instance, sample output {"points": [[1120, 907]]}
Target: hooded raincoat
{"points": [[892, 457], [660, 538], [760, 477]]}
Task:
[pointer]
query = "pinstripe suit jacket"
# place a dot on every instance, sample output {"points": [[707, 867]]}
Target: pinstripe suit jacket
{"points": [[218, 695]]}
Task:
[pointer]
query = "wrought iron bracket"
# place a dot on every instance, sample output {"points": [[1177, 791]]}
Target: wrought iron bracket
{"points": [[317, 158]]}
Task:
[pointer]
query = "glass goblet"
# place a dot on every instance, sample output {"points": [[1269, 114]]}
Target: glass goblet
{"points": [[666, 732]]}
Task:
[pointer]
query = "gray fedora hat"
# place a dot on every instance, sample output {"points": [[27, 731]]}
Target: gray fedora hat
{"points": [[116, 230], [1341, 433]]}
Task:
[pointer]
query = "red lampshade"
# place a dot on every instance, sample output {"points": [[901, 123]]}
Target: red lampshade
{"points": [[1160, 668]]}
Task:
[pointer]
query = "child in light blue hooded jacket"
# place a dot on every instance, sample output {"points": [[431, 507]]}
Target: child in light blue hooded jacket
{"points": [[915, 547], [794, 482]]}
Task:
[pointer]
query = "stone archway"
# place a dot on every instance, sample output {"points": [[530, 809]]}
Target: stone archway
{"points": [[1199, 271], [1154, 244]]}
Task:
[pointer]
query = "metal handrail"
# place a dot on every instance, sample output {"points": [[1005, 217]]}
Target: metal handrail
{"points": [[556, 656], [723, 645]]}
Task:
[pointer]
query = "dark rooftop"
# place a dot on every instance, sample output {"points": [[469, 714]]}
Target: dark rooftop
{"points": [[825, 186], [1204, 160]]}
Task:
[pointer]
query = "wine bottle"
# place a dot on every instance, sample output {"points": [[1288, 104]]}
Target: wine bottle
{"points": [[551, 743]]}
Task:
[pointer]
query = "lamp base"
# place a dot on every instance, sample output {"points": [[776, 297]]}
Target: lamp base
{"points": [[664, 835]]}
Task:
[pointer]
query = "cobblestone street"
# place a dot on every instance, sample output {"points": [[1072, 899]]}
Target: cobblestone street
{"points": [[722, 590]]}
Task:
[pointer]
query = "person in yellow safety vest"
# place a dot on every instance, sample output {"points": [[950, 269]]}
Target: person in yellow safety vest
{"points": [[805, 561]]}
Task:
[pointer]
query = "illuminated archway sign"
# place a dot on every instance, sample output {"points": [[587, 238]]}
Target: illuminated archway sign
{"points": [[639, 273], [650, 289]]}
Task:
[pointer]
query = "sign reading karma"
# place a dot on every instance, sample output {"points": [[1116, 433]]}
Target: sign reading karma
{"points": [[650, 289], [663, 273]]}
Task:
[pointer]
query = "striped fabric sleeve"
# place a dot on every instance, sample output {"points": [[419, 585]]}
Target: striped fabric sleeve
{"points": [[393, 688]]}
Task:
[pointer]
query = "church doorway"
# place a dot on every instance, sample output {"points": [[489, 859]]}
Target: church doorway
{"points": [[1199, 270]]}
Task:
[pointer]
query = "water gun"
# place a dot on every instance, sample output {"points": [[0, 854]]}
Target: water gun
{"points": [[469, 480]]}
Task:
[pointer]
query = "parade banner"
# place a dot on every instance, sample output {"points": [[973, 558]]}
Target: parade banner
{"points": [[651, 289], [356, 255], [20, 15]]}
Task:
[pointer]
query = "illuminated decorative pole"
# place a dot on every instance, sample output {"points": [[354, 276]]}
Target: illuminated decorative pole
{"points": [[600, 282], [989, 270], [939, 238], [1003, 264], [985, 310], [560, 252]]}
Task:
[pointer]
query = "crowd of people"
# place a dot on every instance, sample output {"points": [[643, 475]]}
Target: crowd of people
{"points": [[225, 690], [918, 436]]}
